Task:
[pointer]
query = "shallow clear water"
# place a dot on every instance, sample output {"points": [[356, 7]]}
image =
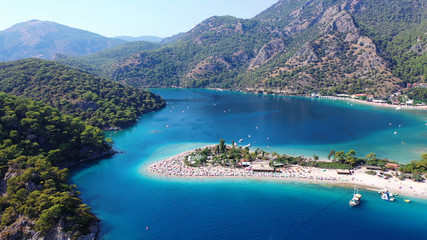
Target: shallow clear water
{"points": [[127, 200]]}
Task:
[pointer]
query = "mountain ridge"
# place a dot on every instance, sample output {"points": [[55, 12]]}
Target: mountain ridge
{"points": [[293, 47], [44, 39]]}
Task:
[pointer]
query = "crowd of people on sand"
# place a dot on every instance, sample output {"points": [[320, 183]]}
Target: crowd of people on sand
{"points": [[176, 167]]}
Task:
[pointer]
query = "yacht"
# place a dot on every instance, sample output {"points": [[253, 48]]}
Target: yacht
{"points": [[356, 198]]}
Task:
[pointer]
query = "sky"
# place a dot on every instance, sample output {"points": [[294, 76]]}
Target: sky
{"points": [[162, 18]]}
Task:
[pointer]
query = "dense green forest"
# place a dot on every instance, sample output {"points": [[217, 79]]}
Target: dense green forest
{"points": [[398, 29], [294, 47], [416, 168], [34, 140], [99, 102]]}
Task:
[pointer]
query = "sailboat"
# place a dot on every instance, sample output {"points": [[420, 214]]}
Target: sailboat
{"points": [[356, 197]]}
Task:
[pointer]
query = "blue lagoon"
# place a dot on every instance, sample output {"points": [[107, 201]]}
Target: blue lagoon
{"points": [[128, 201]]}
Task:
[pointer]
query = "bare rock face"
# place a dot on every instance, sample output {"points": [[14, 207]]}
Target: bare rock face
{"points": [[351, 6], [210, 65], [344, 24], [336, 19], [12, 172], [368, 56], [304, 55], [267, 52], [419, 48], [301, 22], [21, 229], [18, 230], [338, 43]]}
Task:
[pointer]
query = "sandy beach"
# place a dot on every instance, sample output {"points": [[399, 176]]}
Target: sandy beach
{"points": [[175, 167], [385, 105]]}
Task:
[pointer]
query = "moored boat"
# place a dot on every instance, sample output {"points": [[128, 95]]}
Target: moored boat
{"points": [[385, 195], [356, 198]]}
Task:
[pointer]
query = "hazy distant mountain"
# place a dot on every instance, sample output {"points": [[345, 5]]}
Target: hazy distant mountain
{"points": [[172, 39], [294, 47], [142, 38], [100, 63], [42, 39]]}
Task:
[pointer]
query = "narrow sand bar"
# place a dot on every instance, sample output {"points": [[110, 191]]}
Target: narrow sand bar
{"points": [[175, 167]]}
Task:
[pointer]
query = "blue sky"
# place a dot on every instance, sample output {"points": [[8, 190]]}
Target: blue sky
{"points": [[110, 18]]}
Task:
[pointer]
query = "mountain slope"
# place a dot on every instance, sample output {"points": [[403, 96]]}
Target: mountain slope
{"points": [[42, 39], [294, 47], [100, 102]]}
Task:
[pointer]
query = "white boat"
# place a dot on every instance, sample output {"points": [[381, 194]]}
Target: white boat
{"points": [[356, 198], [385, 195]]}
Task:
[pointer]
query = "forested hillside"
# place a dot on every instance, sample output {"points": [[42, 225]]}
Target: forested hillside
{"points": [[36, 199], [294, 47], [99, 102]]}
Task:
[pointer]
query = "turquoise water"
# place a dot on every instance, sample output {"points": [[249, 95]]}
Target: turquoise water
{"points": [[127, 200]]}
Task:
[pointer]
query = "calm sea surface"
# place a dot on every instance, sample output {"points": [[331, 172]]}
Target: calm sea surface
{"points": [[128, 201]]}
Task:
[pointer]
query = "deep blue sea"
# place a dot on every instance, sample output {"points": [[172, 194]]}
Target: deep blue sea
{"points": [[128, 201]]}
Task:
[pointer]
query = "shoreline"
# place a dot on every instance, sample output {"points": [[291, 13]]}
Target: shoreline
{"points": [[383, 105], [275, 93], [174, 167]]}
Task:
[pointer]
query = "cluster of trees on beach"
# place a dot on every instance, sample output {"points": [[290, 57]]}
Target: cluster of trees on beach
{"points": [[230, 156], [224, 155], [419, 94], [338, 160], [34, 140], [416, 168], [221, 155]]}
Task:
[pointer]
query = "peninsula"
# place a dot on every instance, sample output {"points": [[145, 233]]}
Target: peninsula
{"points": [[341, 169]]}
